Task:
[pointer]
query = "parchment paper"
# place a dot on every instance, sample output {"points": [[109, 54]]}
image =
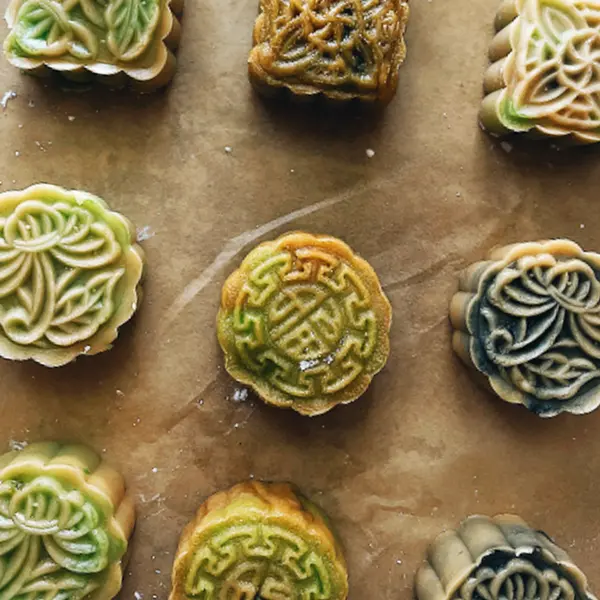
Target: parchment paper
{"points": [[425, 446]]}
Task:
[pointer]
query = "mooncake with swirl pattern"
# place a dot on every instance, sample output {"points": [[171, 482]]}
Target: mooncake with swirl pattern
{"points": [[545, 73], [529, 319], [305, 322], [342, 49], [498, 558], [70, 274], [259, 540], [65, 522]]}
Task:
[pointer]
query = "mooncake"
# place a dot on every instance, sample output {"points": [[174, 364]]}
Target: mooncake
{"points": [[498, 558], [343, 49], [70, 273], [545, 72], [304, 322], [529, 319], [113, 41], [259, 540], [65, 522]]}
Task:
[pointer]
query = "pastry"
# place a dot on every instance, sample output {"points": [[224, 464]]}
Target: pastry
{"points": [[114, 41], [342, 49], [65, 522], [69, 274], [304, 322], [545, 70], [259, 540], [498, 559], [529, 319]]}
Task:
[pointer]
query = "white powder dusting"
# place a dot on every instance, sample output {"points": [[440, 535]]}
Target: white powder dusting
{"points": [[240, 395], [138, 596], [228, 149], [145, 233], [307, 364], [10, 95]]}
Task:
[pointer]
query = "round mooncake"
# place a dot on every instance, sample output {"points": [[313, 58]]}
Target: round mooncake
{"points": [[529, 319], [65, 522], [70, 274], [304, 322], [498, 559], [259, 540]]}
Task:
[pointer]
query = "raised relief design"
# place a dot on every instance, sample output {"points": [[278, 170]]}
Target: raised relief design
{"points": [[69, 273], [304, 321], [530, 320], [498, 559], [60, 535], [342, 48], [102, 37], [259, 541], [545, 77]]}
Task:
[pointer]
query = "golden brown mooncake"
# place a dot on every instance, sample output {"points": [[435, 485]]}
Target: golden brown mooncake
{"points": [[70, 274], [545, 72], [304, 322], [65, 522], [529, 319], [499, 558], [343, 49], [259, 540], [113, 41]]}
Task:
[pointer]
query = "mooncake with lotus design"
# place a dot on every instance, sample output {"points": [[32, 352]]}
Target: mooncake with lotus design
{"points": [[304, 322], [529, 319], [342, 49], [545, 73], [65, 522], [259, 541], [70, 274], [498, 558], [113, 41]]}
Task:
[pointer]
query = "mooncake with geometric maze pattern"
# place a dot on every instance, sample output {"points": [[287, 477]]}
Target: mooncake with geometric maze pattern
{"points": [[259, 540], [304, 322]]}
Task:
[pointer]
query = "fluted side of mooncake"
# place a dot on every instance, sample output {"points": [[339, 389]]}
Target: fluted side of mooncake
{"points": [[529, 319], [70, 274], [65, 521], [304, 321], [498, 558], [545, 70], [343, 50], [259, 540]]}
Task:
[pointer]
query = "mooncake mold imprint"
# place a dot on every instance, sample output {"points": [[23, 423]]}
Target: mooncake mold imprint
{"points": [[304, 321], [342, 49], [545, 73], [259, 540], [65, 522], [529, 319], [113, 41], [498, 558], [70, 274]]}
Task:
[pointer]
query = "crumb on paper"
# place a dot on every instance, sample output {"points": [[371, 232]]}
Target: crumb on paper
{"points": [[228, 149], [31, 104], [145, 233], [119, 393], [71, 118], [582, 226], [17, 153], [240, 395], [17, 446], [87, 349], [458, 194], [506, 147], [155, 469], [138, 596], [370, 152], [10, 95], [292, 170], [398, 562]]}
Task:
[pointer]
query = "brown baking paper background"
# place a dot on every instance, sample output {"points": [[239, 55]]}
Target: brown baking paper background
{"points": [[425, 446]]}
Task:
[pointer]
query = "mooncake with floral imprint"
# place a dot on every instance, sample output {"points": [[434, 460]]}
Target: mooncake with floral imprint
{"points": [[113, 41], [259, 540], [304, 322], [65, 522], [70, 274], [343, 49], [529, 319], [499, 558], [545, 73]]}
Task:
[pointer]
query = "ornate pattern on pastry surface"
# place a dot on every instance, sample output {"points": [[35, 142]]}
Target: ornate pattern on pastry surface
{"points": [[68, 274], [534, 326], [59, 537], [552, 74], [305, 322], [259, 540], [498, 559], [344, 48]]}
